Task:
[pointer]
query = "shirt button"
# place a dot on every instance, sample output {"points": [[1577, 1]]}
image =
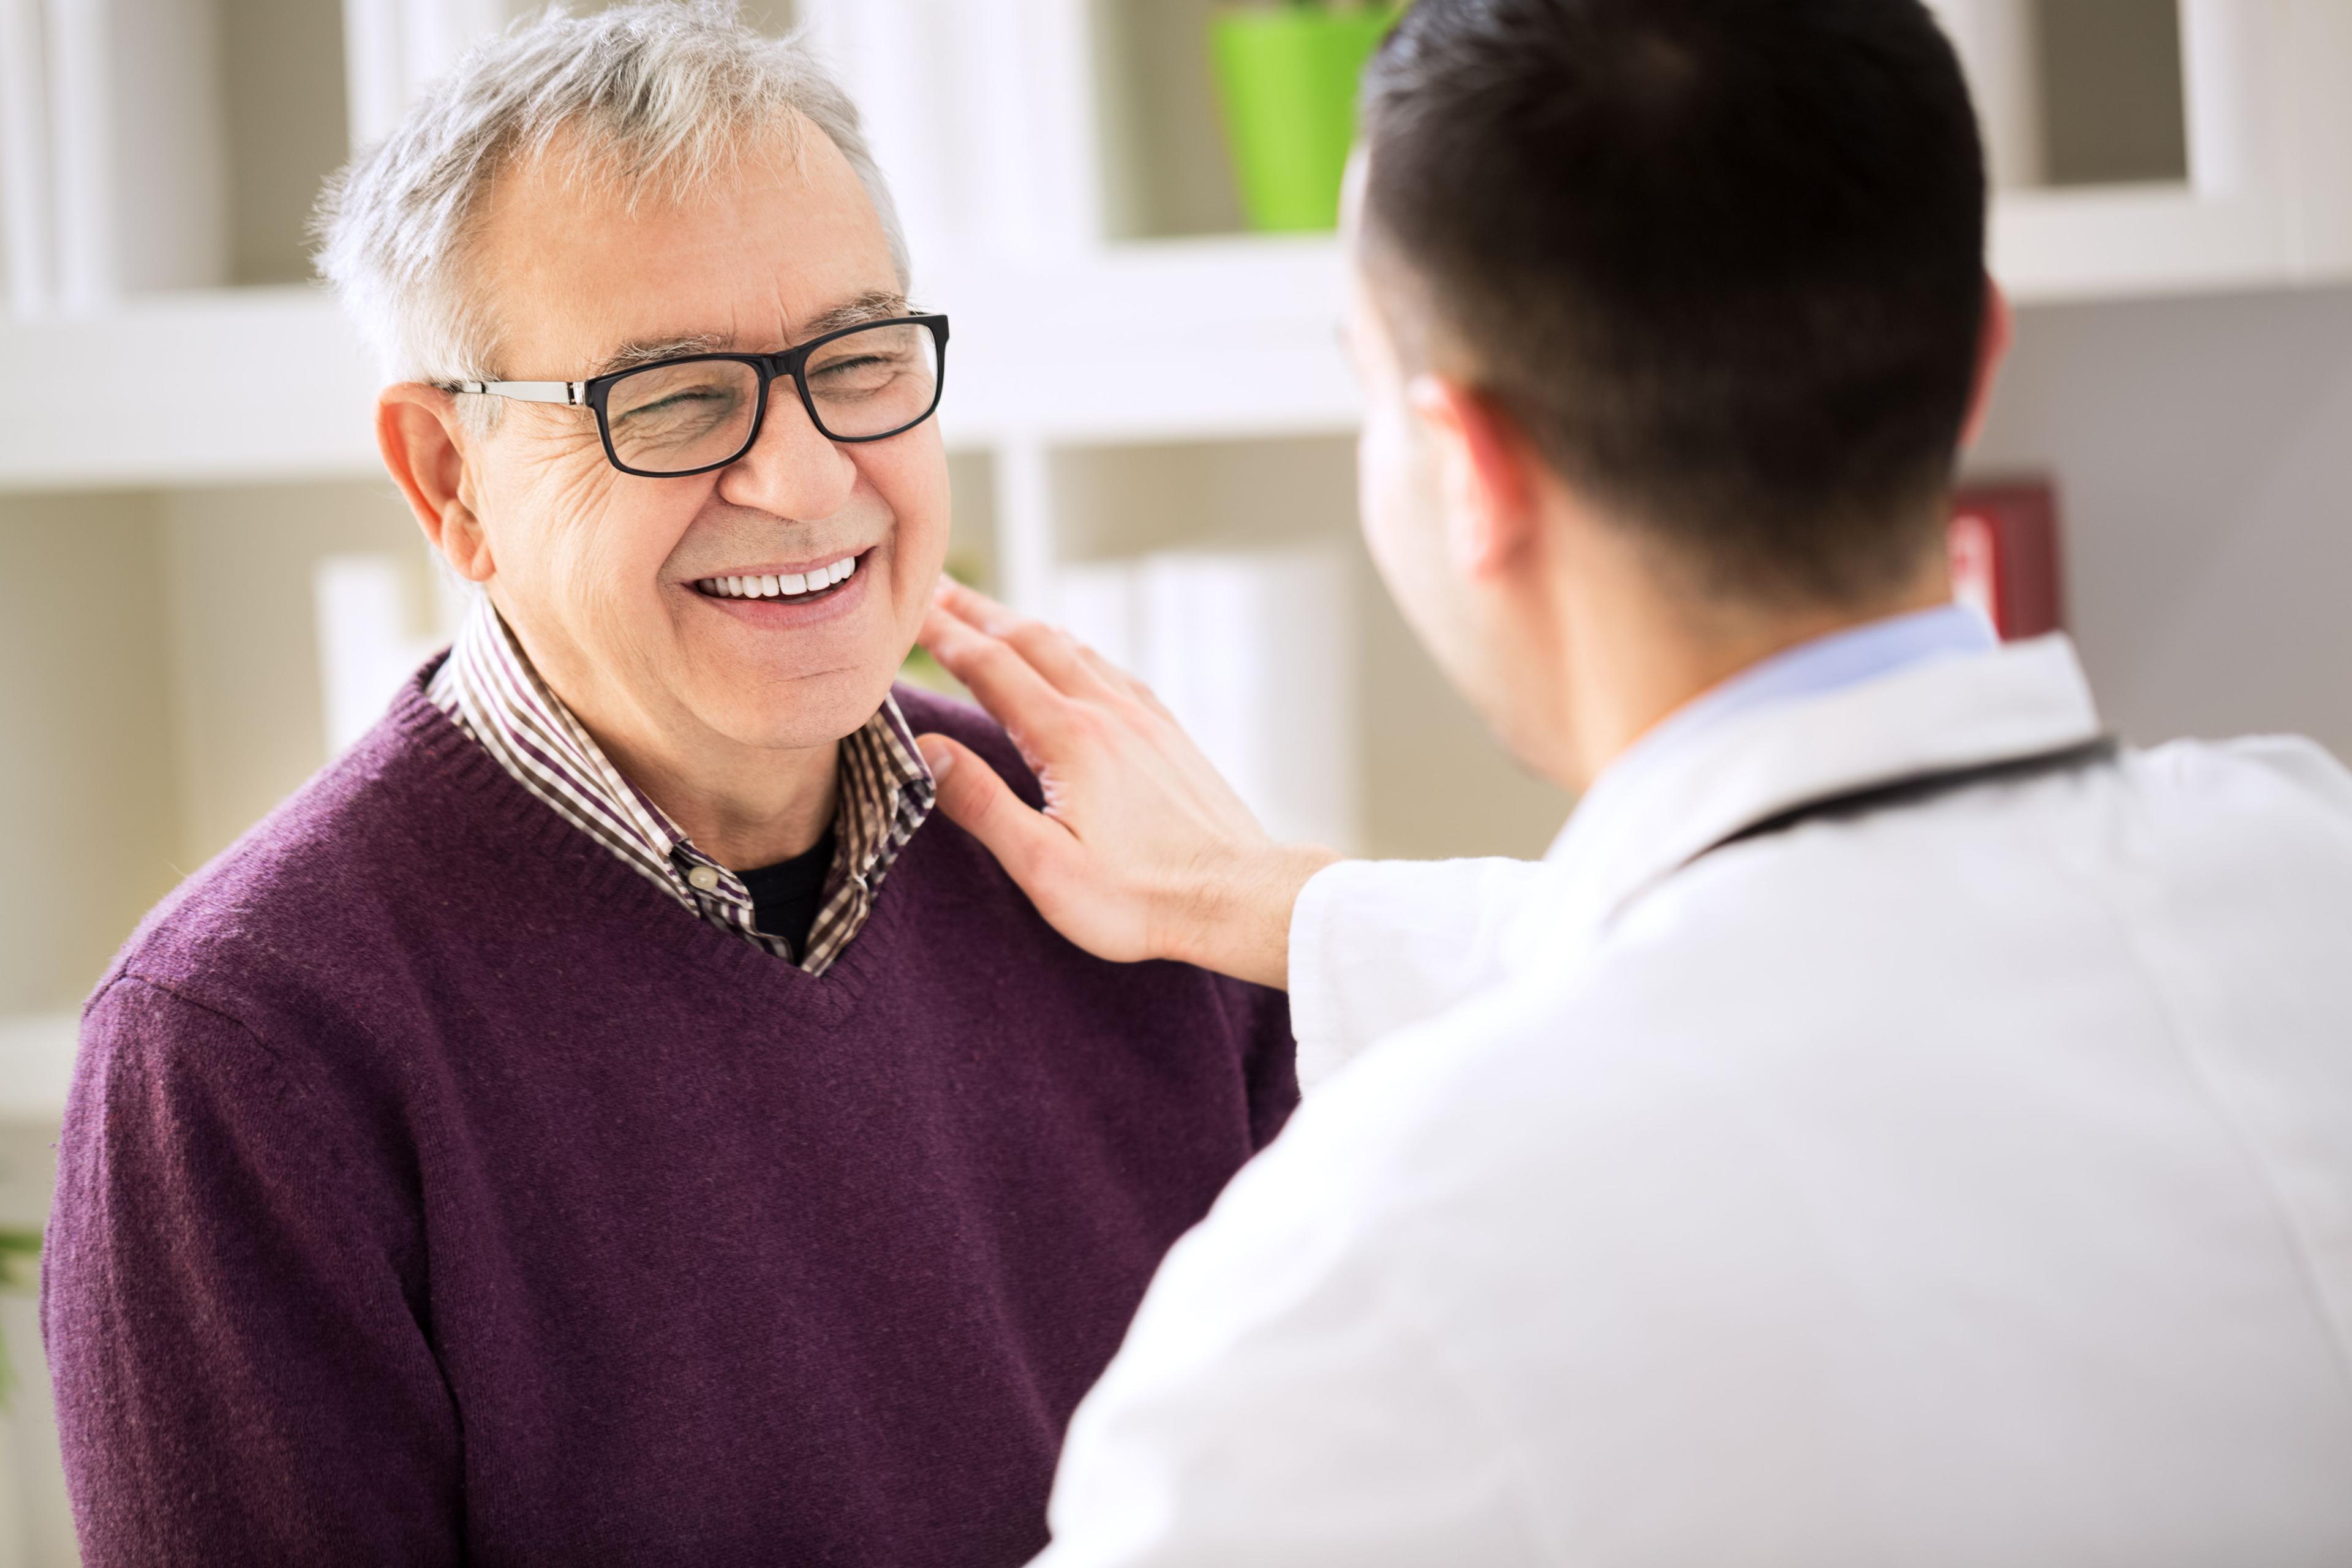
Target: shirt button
{"points": [[704, 877]]}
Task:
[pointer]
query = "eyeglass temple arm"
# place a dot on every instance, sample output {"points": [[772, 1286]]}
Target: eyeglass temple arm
{"points": [[566, 392]]}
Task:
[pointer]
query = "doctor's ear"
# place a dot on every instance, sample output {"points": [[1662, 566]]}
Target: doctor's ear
{"points": [[425, 450], [1993, 338], [1485, 469]]}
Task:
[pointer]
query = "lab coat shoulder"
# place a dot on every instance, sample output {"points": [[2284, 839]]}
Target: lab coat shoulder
{"points": [[1378, 945], [2294, 760]]}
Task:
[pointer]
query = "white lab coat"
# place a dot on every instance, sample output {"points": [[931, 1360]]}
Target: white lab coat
{"points": [[1967, 1182]]}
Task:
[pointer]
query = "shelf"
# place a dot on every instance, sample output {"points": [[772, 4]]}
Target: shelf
{"points": [[2130, 241], [211, 386], [1182, 340], [1176, 339], [1186, 340]]}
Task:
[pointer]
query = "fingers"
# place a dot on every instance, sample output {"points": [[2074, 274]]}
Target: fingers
{"points": [[1066, 663], [966, 602], [1118, 680], [972, 796], [1004, 682]]}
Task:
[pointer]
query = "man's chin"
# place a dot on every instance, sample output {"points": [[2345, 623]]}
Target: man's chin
{"points": [[794, 713]]}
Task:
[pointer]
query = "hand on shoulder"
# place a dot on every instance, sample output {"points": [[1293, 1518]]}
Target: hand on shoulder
{"points": [[1143, 849]]}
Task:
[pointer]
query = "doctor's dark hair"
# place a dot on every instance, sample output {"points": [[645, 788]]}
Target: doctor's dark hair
{"points": [[1721, 260]]}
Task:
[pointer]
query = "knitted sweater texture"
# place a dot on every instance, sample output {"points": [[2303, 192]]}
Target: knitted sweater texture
{"points": [[434, 1190]]}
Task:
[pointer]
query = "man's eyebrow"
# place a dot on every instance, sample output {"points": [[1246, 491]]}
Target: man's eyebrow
{"points": [[880, 305], [646, 351]]}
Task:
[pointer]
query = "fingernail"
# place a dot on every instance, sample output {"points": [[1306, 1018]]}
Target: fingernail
{"points": [[938, 755]]}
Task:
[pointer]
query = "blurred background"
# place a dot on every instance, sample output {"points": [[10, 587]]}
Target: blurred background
{"points": [[206, 588]]}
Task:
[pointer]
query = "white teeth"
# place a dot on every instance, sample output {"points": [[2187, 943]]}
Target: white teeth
{"points": [[783, 584]]}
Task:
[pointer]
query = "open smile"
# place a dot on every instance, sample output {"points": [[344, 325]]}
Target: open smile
{"points": [[804, 586]]}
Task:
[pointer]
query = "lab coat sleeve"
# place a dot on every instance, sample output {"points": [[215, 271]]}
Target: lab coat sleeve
{"points": [[1283, 1398], [1379, 945]]}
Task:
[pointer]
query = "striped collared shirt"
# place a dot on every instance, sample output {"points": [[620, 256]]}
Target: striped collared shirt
{"points": [[489, 690]]}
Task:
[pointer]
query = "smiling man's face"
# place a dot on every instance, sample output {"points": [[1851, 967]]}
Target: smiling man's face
{"points": [[608, 579]]}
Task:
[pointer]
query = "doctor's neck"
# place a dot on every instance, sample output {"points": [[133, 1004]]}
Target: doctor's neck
{"points": [[1629, 635]]}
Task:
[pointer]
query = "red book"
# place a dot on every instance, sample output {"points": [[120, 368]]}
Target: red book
{"points": [[2005, 556]]}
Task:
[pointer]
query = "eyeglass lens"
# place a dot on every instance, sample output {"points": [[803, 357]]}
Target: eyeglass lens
{"points": [[675, 418]]}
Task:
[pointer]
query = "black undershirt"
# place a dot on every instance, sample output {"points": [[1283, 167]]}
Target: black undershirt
{"points": [[785, 896]]}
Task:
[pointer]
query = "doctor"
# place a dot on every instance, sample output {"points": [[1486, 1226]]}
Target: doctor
{"points": [[1895, 1124]]}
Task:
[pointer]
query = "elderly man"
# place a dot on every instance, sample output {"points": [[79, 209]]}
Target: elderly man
{"points": [[605, 1118]]}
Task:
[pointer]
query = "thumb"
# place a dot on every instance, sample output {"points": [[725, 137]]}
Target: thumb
{"points": [[976, 800]]}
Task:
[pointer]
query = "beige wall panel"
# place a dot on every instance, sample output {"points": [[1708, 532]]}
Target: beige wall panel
{"points": [[282, 92], [86, 786], [246, 700]]}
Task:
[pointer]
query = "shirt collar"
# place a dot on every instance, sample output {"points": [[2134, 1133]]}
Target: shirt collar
{"points": [[1827, 722], [1823, 664], [489, 685]]}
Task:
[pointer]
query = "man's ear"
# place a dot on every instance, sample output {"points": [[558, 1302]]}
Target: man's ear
{"points": [[1992, 347], [417, 430], [1486, 473]]}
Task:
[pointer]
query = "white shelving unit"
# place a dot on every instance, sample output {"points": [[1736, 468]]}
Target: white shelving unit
{"points": [[1016, 159], [1059, 162]]}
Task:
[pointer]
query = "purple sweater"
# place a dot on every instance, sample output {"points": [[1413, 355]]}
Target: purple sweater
{"points": [[433, 1189]]}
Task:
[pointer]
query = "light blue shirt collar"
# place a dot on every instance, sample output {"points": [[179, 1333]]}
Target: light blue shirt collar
{"points": [[1825, 664]]}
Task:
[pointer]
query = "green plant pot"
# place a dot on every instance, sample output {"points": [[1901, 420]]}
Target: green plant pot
{"points": [[1288, 79]]}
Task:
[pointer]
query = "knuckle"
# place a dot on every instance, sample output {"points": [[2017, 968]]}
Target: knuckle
{"points": [[988, 654], [1033, 639]]}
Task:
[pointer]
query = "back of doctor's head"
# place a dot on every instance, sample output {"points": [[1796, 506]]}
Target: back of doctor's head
{"points": [[1722, 260]]}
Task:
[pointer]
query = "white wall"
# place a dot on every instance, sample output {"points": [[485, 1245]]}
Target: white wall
{"points": [[2204, 454]]}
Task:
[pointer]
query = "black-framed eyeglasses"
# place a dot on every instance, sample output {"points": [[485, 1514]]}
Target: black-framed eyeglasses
{"points": [[700, 412]]}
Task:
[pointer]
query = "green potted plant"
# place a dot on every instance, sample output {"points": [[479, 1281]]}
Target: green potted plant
{"points": [[1288, 75], [20, 1269]]}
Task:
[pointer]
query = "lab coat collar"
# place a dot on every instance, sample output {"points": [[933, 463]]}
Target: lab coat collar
{"points": [[1636, 826]]}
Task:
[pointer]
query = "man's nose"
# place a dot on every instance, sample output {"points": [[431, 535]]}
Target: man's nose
{"points": [[792, 470]]}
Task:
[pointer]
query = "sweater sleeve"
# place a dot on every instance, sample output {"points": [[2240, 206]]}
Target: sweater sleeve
{"points": [[241, 1375]]}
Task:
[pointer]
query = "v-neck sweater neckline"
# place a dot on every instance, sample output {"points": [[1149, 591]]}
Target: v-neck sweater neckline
{"points": [[514, 821]]}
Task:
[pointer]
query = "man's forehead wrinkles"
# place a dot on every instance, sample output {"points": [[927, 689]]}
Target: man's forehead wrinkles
{"points": [[874, 306]]}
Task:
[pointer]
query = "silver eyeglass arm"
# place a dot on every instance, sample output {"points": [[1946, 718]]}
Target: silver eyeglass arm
{"points": [[566, 392]]}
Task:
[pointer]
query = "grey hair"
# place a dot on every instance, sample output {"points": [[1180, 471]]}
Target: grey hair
{"points": [[665, 96]]}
